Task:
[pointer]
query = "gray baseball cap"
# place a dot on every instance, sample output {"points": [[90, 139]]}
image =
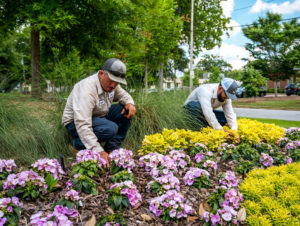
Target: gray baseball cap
{"points": [[230, 86], [116, 70]]}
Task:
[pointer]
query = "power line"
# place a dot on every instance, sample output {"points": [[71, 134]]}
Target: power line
{"points": [[244, 25], [250, 6]]}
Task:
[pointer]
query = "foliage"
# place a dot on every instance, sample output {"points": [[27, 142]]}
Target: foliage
{"points": [[209, 23], [209, 62], [272, 195], [10, 211], [26, 185], [215, 76], [252, 80], [271, 43], [113, 219], [250, 131], [244, 167], [85, 184], [89, 168], [122, 176]]}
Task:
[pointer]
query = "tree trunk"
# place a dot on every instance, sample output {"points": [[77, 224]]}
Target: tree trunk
{"points": [[161, 77], [146, 75], [36, 82], [275, 87]]}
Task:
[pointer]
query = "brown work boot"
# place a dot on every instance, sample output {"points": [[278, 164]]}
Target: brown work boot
{"points": [[73, 150]]}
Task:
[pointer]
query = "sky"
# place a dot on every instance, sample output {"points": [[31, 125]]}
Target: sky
{"points": [[232, 49]]}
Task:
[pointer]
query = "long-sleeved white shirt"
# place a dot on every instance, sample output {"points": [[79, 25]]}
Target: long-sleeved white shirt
{"points": [[87, 100], [207, 96]]}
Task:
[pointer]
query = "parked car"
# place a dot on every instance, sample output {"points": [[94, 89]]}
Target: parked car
{"points": [[292, 89], [240, 92]]}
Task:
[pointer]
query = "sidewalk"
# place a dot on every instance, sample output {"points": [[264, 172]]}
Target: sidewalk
{"points": [[270, 114]]}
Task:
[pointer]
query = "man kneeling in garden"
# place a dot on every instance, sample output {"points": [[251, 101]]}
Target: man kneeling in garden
{"points": [[89, 115], [201, 103]]}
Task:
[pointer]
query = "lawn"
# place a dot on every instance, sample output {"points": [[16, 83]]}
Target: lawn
{"points": [[270, 104]]}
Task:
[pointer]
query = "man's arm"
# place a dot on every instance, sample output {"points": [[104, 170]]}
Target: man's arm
{"points": [[83, 105], [230, 115], [122, 96]]}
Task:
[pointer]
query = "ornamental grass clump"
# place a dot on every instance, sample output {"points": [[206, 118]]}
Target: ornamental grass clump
{"points": [[88, 163], [170, 206], [272, 195], [163, 183], [124, 195], [59, 216], [121, 159], [26, 185], [199, 178], [10, 211]]}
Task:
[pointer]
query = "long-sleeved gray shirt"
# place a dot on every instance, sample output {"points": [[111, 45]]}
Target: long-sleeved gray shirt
{"points": [[207, 96], [88, 100]]}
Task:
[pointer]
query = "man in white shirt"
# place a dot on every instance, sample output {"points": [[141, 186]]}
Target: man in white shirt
{"points": [[89, 115], [203, 100]]}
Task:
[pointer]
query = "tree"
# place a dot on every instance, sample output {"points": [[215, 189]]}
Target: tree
{"points": [[234, 74], [215, 76], [252, 80], [40, 16], [271, 43], [209, 23], [210, 61]]}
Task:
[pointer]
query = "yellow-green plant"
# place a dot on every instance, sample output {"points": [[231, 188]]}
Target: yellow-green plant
{"points": [[272, 196], [250, 131]]}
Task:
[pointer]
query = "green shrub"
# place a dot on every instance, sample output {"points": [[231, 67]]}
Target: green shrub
{"points": [[272, 196]]}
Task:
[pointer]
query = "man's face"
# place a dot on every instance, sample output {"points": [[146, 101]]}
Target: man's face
{"points": [[107, 84], [221, 94]]}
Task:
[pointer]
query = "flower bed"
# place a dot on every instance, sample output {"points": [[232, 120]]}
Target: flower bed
{"points": [[272, 195], [183, 176]]}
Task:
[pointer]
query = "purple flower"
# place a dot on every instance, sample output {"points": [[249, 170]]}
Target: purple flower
{"points": [[211, 166], [129, 189], [87, 155], [215, 218], [167, 182], [199, 157], [193, 173], [266, 159], [289, 160], [9, 209], [170, 200], [49, 166], [122, 158], [227, 216], [7, 165], [228, 180]]}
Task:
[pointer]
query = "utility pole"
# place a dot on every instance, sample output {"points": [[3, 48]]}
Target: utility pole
{"points": [[191, 46]]}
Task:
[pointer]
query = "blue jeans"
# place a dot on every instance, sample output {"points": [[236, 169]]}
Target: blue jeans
{"points": [[111, 129], [197, 118]]}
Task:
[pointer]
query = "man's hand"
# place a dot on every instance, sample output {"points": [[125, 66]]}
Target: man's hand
{"points": [[105, 156], [231, 136], [129, 111]]}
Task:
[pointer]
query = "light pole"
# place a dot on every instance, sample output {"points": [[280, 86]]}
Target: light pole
{"points": [[192, 46]]}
